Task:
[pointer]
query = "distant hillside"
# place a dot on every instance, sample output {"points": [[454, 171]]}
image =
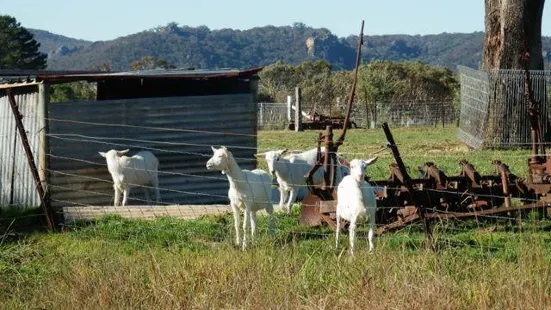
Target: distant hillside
{"points": [[57, 45], [200, 47]]}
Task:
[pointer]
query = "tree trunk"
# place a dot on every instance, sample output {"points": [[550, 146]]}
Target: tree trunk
{"points": [[510, 24], [512, 27]]}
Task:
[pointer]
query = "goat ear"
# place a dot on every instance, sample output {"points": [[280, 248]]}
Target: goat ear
{"points": [[371, 161], [213, 148], [120, 153], [284, 151], [259, 154], [103, 154]]}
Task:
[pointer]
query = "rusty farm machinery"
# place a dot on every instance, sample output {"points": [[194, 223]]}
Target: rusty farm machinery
{"points": [[405, 200]]}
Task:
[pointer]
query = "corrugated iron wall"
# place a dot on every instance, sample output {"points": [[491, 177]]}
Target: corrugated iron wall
{"points": [[17, 186], [178, 130]]}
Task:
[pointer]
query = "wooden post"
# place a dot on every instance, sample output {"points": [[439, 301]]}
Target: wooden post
{"points": [[442, 114], [298, 110], [261, 117], [30, 160], [289, 108], [44, 146]]}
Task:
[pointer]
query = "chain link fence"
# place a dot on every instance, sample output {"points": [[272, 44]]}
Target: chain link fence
{"points": [[275, 116]]}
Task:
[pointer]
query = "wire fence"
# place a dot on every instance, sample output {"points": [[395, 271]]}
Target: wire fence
{"points": [[494, 108], [87, 192], [277, 116]]}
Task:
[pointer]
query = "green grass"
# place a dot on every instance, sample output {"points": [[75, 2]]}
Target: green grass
{"points": [[115, 263], [416, 146], [168, 263]]}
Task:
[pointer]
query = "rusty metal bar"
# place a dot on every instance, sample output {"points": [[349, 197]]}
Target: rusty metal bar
{"points": [[454, 215], [329, 161], [505, 188], [538, 149], [340, 140], [396, 154], [399, 223], [408, 183], [30, 159], [309, 175], [328, 165], [457, 215]]}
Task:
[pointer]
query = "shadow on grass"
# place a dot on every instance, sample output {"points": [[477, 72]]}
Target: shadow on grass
{"points": [[16, 222]]}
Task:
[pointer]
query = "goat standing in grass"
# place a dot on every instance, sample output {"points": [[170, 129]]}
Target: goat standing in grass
{"points": [[356, 201], [290, 171], [249, 191], [138, 170]]}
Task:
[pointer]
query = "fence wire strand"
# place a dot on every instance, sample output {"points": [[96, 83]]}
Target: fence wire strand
{"points": [[143, 208]]}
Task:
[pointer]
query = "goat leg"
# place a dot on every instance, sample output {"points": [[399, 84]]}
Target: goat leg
{"points": [[236, 222], [246, 220]]}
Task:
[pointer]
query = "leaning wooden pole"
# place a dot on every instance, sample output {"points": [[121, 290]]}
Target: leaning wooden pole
{"points": [[30, 160]]}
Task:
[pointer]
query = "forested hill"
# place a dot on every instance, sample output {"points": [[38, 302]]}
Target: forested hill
{"points": [[55, 44], [200, 47]]}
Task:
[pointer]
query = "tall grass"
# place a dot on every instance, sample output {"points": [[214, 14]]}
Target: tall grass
{"points": [[173, 264], [115, 263]]}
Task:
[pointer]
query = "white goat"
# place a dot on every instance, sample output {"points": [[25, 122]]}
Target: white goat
{"points": [[138, 170], [249, 191], [356, 201], [290, 171]]}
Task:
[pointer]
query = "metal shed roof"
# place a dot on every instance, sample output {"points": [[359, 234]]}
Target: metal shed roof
{"points": [[26, 77]]}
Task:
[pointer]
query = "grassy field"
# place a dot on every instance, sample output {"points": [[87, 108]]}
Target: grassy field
{"points": [[173, 264]]}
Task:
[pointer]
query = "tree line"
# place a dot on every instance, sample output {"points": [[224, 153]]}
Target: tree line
{"points": [[326, 91], [323, 88]]}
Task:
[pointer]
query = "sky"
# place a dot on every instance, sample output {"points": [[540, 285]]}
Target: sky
{"points": [[100, 20]]}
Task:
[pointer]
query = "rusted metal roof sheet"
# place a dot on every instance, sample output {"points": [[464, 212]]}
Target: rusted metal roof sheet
{"points": [[17, 76]]}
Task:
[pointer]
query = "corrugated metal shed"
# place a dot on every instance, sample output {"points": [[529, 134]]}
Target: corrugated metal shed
{"points": [[176, 114], [17, 186], [178, 130]]}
